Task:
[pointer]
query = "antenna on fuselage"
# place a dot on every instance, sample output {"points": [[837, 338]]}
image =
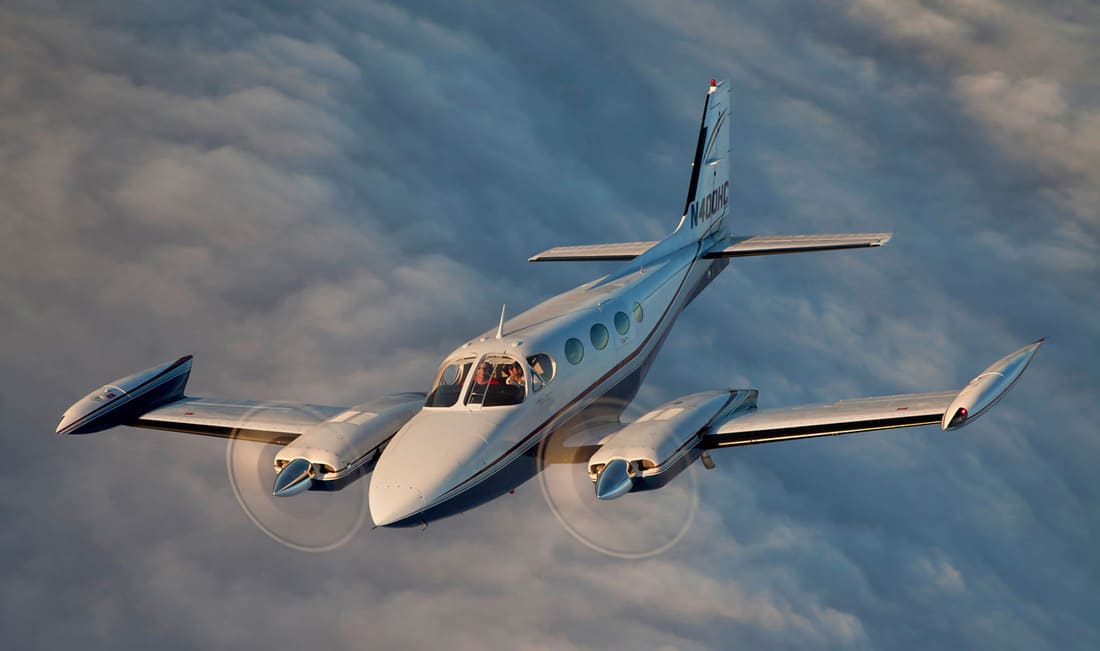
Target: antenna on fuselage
{"points": [[500, 327]]}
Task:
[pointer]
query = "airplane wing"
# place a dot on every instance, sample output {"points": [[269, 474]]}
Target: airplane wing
{"points": [[249, 420], [154, 399], [324, 446], [949, 409], [844, 417], [653, 449], [737, 247]]}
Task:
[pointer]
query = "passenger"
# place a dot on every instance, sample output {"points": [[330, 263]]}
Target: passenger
{"points": [[515, 374]]}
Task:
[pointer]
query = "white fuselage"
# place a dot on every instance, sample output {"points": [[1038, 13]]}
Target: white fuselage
{"points": [[444, 452]]}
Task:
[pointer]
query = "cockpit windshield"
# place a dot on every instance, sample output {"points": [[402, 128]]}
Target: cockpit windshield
{"points": [[448, 384], [498, 380]]}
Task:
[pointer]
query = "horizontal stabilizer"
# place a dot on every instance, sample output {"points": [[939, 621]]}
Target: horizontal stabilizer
{"points": [[742, 246], [618, 251]]}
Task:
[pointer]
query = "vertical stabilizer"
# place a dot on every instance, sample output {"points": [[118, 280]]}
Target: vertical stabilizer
{"points": [[707, 206]]}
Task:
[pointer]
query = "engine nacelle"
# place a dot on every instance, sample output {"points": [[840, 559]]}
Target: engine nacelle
{"points": [[658, 446], [331, 454]]}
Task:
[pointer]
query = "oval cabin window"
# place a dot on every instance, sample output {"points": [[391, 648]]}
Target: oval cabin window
{"points": [[574, 350], [542, 370], [622, 323], [599, 336]]}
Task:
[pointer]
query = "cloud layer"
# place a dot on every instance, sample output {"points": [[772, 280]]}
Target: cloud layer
{"points": [[319, 201]]}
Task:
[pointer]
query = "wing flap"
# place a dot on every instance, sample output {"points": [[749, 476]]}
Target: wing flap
{"points": [[618, 251], [250, 420], [844, 417], [743, 246]]}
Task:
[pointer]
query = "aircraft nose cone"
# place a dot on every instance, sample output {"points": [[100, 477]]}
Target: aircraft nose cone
{"points": [[614, 480], [426, 462], [393, 502], [294, 478]]}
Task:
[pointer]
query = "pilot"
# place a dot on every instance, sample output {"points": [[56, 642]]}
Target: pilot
{"points": [[483, 377], [515, 374]]}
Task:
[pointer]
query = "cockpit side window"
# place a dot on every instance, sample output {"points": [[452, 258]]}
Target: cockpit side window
{"points": [[498, 380], [542, 370], [448, 384]]}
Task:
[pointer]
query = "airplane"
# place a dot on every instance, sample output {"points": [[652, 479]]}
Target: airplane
{"points": [[576, 358]]}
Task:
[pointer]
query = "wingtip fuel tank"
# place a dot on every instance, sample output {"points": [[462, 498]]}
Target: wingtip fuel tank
{"points": [[126, 398], [988, 387]]}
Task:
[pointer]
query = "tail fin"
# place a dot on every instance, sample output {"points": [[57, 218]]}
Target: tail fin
{"points": [[707, 206], [706, 211]]}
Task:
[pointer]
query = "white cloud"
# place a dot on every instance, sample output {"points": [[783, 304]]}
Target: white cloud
{"points": [[295, 198]]}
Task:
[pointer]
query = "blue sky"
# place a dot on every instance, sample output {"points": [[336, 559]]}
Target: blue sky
{"points": [[319, 201]]}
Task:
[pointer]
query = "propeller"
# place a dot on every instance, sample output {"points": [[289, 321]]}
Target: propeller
{"points": [[636, 525], [280, 503]]}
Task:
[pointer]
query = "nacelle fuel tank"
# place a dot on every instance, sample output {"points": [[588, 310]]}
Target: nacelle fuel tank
{"points": [[345, 443], [647, 453]]}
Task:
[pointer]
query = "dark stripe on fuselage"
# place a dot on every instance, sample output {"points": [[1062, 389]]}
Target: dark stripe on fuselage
{"points": [[462, 499], [525, 466], [525, 440]]}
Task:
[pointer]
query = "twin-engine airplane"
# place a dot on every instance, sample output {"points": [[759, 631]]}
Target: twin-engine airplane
{"points": [[579, 355]]}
